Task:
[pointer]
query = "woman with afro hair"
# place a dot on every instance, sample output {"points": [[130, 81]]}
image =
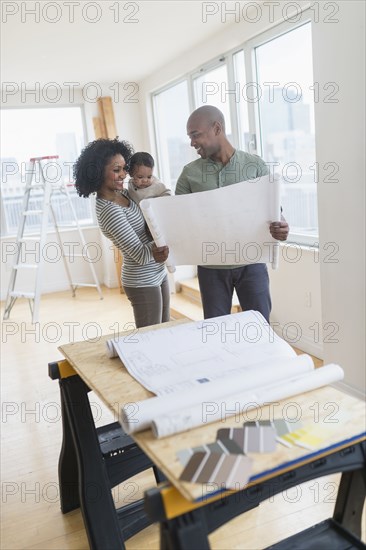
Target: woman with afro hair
{"points": [[101, 168]]}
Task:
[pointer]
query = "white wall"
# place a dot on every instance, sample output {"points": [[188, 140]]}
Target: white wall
{"points": [[296, 298], [192, 59], [339, 56], [311, 293], [127, 113]]}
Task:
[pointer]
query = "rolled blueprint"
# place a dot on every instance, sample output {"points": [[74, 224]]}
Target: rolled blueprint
{"points": [[212, 411], [141, 415], [153, 225], [111, 350]]}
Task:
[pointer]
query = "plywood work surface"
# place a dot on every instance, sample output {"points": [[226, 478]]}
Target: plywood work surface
{"points": [[341, 415]]}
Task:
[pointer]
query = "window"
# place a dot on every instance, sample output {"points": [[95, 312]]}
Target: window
{"points": [[242, 113], [171, 114], [265, 91], [211, 88], [27, 133], [284, 75]]}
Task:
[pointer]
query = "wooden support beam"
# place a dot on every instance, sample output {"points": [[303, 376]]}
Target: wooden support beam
{"points": [[101, 116], [105, 105], [98, 128]]}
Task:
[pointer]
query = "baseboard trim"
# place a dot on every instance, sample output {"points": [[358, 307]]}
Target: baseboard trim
{"points": [[110, 282], [304, 342], [350, 390]]}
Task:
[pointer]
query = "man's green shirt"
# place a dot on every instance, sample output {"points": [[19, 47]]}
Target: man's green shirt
{"points": [[205, 174]]}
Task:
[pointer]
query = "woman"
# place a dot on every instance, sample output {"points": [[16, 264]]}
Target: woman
{"points": [[101, 169]]}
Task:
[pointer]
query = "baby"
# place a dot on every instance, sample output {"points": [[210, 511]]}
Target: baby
{"points": [[142, 183]]}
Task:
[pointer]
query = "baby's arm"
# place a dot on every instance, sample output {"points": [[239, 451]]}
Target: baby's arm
{"points": [[166, 192], [161, 189]]}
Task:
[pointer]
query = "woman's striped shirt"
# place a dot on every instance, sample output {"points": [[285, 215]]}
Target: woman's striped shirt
{"points": [[125, 227]]}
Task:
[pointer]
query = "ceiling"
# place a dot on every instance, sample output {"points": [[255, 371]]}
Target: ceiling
{"points": [[127, 42]]}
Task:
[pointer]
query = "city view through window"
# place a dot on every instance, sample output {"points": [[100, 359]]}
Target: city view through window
{"points": [[36, 132]]}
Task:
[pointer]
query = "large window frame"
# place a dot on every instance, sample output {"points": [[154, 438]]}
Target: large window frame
{"points": [[254, 112], [5, 232], [161, 165], [254, 145]]}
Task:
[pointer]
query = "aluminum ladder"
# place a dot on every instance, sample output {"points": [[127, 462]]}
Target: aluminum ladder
{"points": [[37, 179]]}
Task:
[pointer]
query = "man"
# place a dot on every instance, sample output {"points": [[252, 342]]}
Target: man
{"points": [[220, 165]]}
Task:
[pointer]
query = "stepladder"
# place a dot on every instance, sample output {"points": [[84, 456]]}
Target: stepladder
{"points": [[27, 277]]}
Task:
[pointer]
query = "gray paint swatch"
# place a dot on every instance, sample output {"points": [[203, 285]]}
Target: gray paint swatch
{"points": [[254, 437], [259, 437], [224, 445], [228, 471], [235, 434]]}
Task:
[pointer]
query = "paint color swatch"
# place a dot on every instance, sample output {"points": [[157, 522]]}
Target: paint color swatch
{"points": [[308, 440], [283, 428], [223, 446], [311, 437], [229, 471], [259, 437], [255, 437], [294, 436], [235, 434]]}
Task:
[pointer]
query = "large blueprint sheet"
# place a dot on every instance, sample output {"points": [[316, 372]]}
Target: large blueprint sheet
{"points": [[187, 356], [225, 226], [193, 367]]}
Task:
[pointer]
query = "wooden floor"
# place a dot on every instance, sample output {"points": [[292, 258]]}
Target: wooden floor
{"points": [[31, 437]]}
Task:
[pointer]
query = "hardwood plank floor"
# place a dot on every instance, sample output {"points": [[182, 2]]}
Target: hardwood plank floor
{"points": [[31, 437]]}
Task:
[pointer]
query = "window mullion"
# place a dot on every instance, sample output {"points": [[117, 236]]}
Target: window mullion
{"points": [[232, 100], [191, 100], [254, 145]]}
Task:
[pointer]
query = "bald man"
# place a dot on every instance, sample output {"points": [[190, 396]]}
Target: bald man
{"points": [[220, 165]]}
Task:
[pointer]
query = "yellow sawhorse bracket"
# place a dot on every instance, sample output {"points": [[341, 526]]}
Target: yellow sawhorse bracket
{"points": [[60, 369]]}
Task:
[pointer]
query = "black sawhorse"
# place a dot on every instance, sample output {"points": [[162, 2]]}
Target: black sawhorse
{"points": [[92, 462], [186, 525]]}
